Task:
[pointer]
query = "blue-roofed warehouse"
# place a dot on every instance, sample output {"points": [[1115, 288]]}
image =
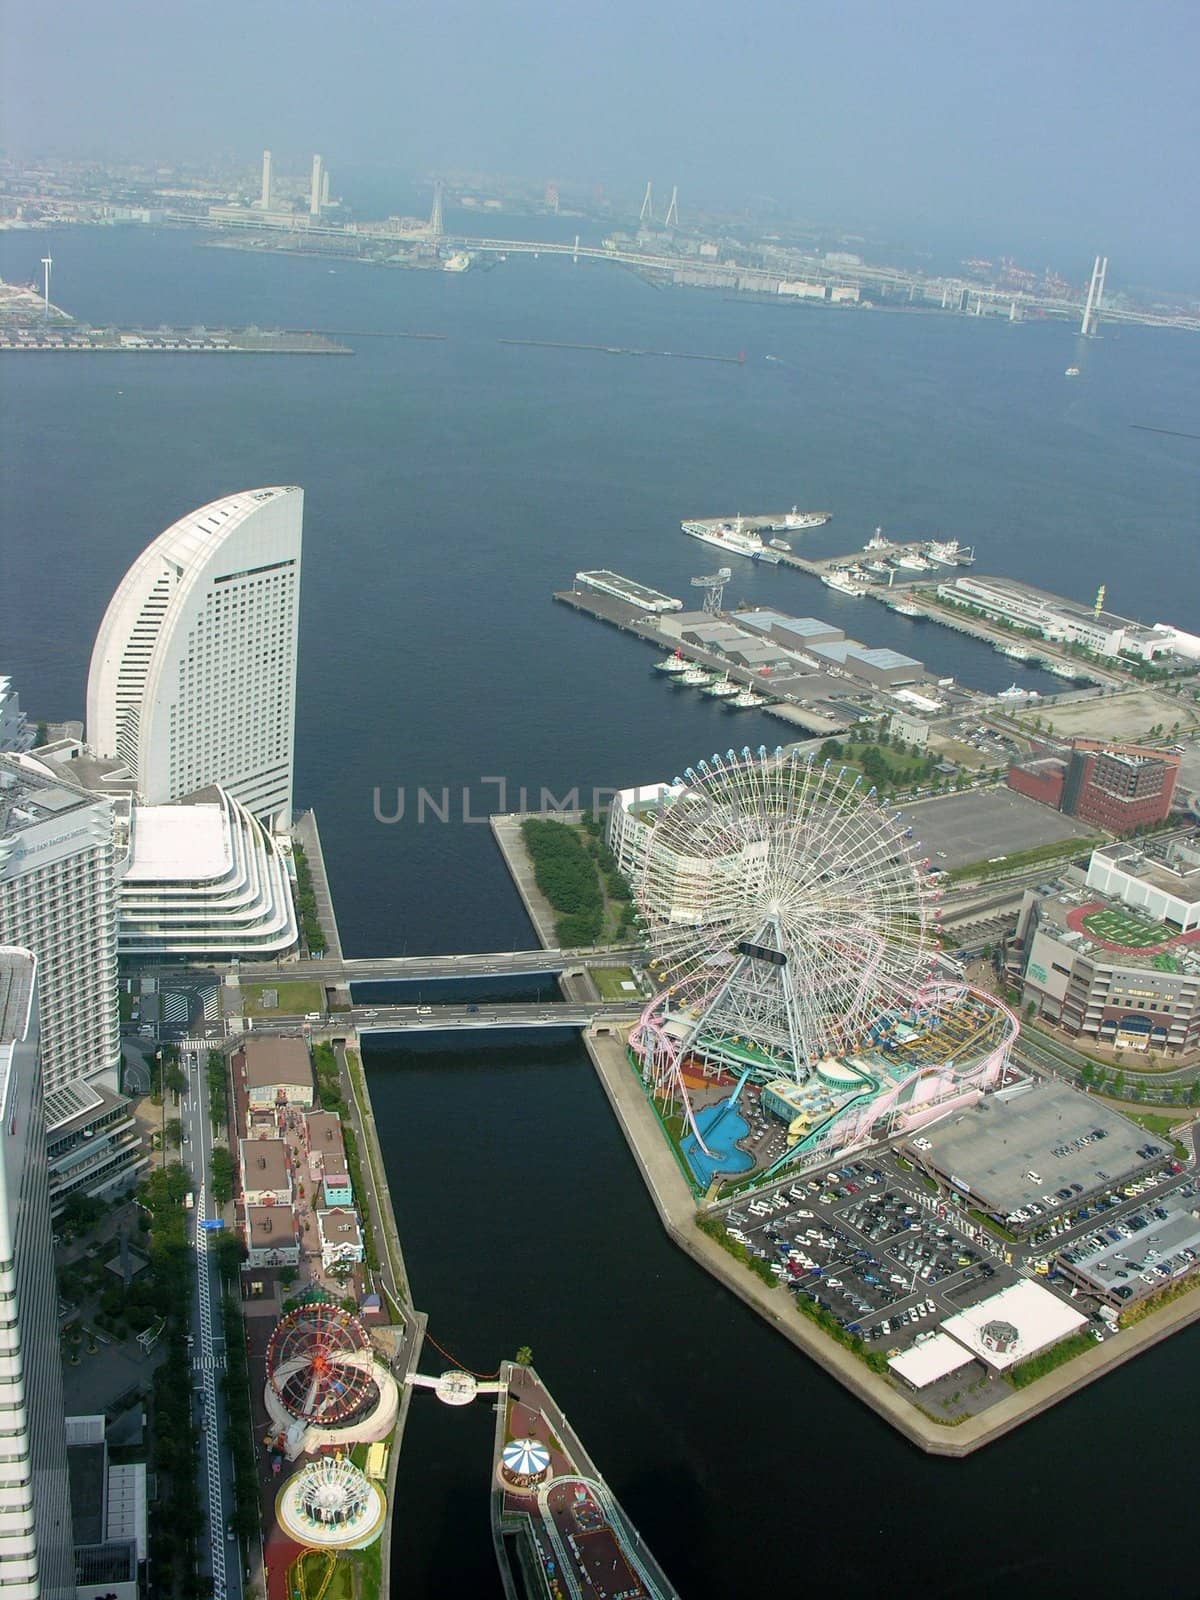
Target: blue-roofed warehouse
{"points": [[872, 666]]}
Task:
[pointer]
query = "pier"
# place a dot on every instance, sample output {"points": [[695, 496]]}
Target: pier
{"points": [[76, 339]]}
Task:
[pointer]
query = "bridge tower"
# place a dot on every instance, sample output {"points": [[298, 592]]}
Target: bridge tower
{"points": [[713, 585], [435, 216], [672, 217], [1091, 311], [647, 212]]}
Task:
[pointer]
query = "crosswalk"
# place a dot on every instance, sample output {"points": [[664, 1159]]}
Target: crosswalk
{"points": [[196, 1046], [175, 1008], [208, 1364]]}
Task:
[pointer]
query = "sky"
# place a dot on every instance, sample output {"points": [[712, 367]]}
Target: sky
{"points": [[1037, 123]]}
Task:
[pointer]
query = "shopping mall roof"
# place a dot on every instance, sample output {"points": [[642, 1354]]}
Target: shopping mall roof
{"points": [[1015, 1324], [1007, 1153], [930, 1359], [179, 844]]}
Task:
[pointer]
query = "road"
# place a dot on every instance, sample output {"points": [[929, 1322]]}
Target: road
{"points": [[222, 1560], [483, 964], [395, 1019]]}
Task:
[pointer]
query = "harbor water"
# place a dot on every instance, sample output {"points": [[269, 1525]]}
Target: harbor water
{"points": [[450, 486]]}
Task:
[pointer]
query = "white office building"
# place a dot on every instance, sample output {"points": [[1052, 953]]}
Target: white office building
{"points": [[58, 899], [36, 1540], [193, 674]]}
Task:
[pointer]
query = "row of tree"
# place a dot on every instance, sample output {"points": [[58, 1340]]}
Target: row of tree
{"points": [[567, 875]]}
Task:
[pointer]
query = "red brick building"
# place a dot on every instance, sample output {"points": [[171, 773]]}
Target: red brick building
{"points": [[1118, 787]]}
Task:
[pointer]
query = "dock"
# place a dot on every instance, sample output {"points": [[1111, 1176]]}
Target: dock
{"points": [[628, 619], [557, 1527], [80, 340]]}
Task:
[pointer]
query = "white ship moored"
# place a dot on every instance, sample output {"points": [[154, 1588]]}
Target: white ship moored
{"points": [[731, 536], [949, 553], [672, 664], [794, 520], [842, 582]]}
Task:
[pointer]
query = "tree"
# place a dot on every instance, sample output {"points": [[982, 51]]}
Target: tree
{"points": [[175, 1079], [222, 1175], [524, 1356], [174, 1132]]}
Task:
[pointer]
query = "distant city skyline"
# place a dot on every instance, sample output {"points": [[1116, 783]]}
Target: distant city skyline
{"points": [[1075, 123]]}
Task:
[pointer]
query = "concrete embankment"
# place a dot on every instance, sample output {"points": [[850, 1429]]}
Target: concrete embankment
{"points": [[307, 835], [677, 1209]]}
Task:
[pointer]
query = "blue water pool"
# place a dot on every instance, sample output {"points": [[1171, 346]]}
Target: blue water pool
{"points": [[722, 1126]]}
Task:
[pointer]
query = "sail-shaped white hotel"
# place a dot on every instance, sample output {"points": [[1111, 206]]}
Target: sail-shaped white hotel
{"points": [[193, 675]]}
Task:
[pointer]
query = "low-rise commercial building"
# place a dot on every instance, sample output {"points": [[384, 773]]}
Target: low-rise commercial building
{"points": [[341, 1237], [272, 1236], [1165, 1248], [327, 1157], [1023, 1158], [266, 1172], [93, 1143], [1053, 618], [276, 1071], [1010, 1327], [1104, 966]]}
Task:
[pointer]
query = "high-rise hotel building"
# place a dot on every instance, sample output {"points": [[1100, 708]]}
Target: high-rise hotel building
{"points": [[193, 674], [36, 1545], [58, 898]]}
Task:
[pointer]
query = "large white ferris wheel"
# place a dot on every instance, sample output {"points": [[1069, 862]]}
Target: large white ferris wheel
{"points": [[786, 909]]}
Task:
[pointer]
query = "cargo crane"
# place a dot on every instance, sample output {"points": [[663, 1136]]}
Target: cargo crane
{"points": [[713, 585]]}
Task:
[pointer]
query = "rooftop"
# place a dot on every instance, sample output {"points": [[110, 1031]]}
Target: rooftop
{"points": [[271, 1061], [16, 993], [930, 1359], [1160, 1245], [179, 843], [30, 793], [1049, 1132], [270, 1227], [264, 1164], [1036, 1317]]}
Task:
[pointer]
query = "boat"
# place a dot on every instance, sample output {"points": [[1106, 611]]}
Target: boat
{"points": [[696, 678], [746, 700], [881, 567], [672, 664], [722, 689], [795, 520], [780, 544], [877, 541], [842, 582], [1014, 652], [1071, 372], [949, 553], [731, 537], [1014, 692], [911, 561], [1061, 670], [905, 608]]}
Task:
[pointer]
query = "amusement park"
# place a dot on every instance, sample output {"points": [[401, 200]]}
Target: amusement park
{"points": [[803, 1005]]}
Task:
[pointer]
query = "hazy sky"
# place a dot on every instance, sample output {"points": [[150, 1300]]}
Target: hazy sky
{"points": [[1031, 120]]}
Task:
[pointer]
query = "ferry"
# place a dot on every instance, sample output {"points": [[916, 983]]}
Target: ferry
{"points": [[795, 520], [731, 537], [843, 583]]}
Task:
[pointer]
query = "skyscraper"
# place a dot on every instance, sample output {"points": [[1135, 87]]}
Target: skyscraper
{"points": [[58, 899], [193, 675], [37, 1548], [314, 199], [265, 201]]}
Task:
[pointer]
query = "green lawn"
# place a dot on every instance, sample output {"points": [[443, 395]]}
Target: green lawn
{"points": [[608, 981], [295, 999], [1125, 929]]}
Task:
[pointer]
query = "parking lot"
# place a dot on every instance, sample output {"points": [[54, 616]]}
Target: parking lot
{"points": [[959, 829], [869, 1245]]}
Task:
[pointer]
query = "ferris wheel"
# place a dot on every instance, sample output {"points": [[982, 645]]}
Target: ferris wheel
{"points": [[319, 1364], [786, 910]]}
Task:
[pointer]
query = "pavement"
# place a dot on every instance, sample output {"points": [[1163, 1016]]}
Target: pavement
{"points": [[677, 1211], [958, 830], [221, 1559]]}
